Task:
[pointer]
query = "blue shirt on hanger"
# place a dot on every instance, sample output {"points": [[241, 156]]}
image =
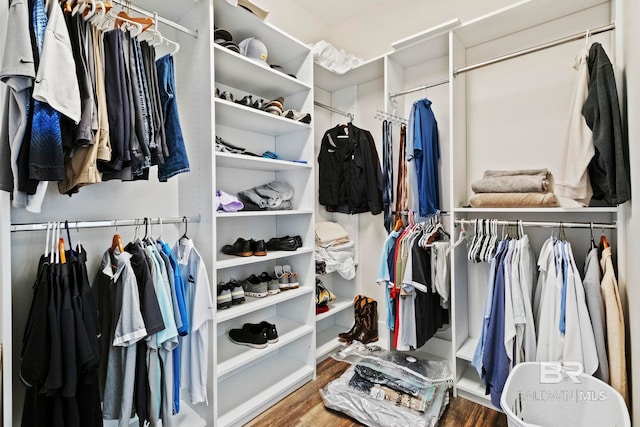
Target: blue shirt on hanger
{"points": [[426, 153]]}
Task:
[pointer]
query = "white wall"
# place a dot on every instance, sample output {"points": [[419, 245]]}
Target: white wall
{"points": [[631, 85], [370, 33]]}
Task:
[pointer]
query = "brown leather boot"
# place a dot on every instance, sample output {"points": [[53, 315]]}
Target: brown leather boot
{"points": [[348, 336], [369, 320]]}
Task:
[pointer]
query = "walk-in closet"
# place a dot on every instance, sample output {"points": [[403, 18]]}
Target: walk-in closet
{"points": [[248, 212]]}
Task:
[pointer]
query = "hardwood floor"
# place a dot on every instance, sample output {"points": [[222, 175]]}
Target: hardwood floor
{"points": [[304, 407]]}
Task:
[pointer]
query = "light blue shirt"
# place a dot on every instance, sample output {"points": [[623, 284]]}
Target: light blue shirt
{"points": [[384, 276]]}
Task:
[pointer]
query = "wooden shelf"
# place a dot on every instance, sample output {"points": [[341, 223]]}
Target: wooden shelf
{"points": [[253, 304]]}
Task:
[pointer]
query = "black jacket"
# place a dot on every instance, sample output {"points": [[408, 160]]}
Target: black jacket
{"points": [[350, 179], [609, 167]]}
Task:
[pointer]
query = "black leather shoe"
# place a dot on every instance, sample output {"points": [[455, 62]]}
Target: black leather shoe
{"points": [[268, 328], [240, 247], [258, 247], [282, 244]]}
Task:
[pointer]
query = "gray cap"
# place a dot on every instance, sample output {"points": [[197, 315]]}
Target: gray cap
{"points": [[254, 49]]}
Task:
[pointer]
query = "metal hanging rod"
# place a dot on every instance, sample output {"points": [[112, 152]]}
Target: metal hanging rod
{"points": [[333, 110], [536, 48], [106, 223], [416, 89], [381, 115], [544, 224], [142, 11]]}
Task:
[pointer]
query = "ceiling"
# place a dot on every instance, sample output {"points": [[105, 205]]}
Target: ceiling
{"points": [[333, 12]]}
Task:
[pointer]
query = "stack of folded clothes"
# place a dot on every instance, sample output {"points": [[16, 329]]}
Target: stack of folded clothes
{"points": [[335, 249], [524, 188], [275, 195], [384, 388]]}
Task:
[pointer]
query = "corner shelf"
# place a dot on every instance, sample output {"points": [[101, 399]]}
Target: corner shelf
{"points": [[467, 349]]}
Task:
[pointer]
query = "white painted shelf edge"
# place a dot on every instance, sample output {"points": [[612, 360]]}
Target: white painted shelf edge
{"points": [[236, 261], [241, 161], [244, 214], [586, 210], [334, 308], [327, 340], [467, 349], [229, 366], [254, 304], [470, 382]]}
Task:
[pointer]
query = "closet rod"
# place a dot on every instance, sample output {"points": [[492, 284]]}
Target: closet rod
{"points": [[333, 110], [416, 89], [544, 224], [106, 223], [142, 11], [536, 48]]}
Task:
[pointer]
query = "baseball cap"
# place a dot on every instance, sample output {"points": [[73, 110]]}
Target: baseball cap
{"points": [[254, 49]]}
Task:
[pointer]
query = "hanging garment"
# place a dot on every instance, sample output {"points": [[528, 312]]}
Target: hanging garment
{"points": [[609, 168], [524, 277], [119, 309], [177, 161], [591, 282], [194, 347], [412, 174], [615, 326], [349, 171], [385, 274], [387, 173], [402, 186], [426, 153], [573, 180]]}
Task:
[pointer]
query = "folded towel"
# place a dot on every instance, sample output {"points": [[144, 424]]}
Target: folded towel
{"points": [[329, 231], [490, 173], [512, 184], [513, 200]]}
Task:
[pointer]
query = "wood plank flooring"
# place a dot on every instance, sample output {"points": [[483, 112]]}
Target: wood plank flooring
{"points": [[304, 407]]}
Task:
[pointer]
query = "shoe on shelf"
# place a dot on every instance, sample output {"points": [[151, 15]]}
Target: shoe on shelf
{"points": [[224, 299], [237, 293], [285, 243], [273, 286], [268, 328], [227, 96], [258, 247], [246, 100], [254, 287], [240, 247], [283, 278], [298, 116], [275, 106], [293, 277], [252, 335]]}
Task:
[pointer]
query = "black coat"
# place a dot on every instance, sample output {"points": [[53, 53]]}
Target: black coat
{"points": [[350, 179]]}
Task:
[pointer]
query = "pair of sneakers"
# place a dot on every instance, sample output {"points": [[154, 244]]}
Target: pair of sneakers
{"points": [[256, 335], [287, 279], [229, 294], [260, 286]]}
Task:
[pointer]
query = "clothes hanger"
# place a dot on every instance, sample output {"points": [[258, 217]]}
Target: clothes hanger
{"points": [[66, 227], [593, 241], [186, 225], [159, 239], [603, 240], [46, 245], [116, 241], [79, 244], [145, 21], [399, 224]]}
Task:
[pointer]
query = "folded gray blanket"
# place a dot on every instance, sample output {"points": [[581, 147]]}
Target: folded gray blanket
{"points": [[514, 200], [275, 195], [490, 173], [512, 184]]}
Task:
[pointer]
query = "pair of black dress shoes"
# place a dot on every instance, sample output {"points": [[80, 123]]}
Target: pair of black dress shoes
{"points": [[242, 247]]}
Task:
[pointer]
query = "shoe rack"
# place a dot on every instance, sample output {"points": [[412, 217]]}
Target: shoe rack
{"points": [[248, 380]]}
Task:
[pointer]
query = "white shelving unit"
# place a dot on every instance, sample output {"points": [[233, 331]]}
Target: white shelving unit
{"points": [[490, 114], [248, 380]]}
